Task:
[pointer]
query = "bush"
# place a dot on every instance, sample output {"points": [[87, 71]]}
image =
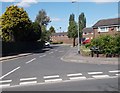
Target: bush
{"points": [[107, 44]]}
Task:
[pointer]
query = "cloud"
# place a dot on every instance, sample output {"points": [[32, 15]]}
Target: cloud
{"points": [[56, 19], [26, 3], [7, 0]]}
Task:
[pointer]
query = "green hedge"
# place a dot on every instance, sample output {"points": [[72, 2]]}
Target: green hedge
{"points": [[109, 45], [11, 48]]}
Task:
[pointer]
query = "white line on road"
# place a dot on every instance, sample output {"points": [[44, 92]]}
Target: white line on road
{"points": [[56, 50], [10, 72], [4, 85], [43, 55], [117, 74], [114, 71], [54, 76], [30, 82], [5, 81], [51, 53], [60, 51], [54, 80], [77, 74], [91, 73], [100, 76], [31, 60], [23, 79], [80, 78]]}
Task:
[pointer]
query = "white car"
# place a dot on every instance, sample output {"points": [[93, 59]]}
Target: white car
{"points": [[47, 43]]}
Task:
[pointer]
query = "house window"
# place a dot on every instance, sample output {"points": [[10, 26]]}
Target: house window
{"points": [[103, 29], [118, 28]]}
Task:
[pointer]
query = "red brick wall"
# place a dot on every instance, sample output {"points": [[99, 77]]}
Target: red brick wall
{"points": [[63, 39]]}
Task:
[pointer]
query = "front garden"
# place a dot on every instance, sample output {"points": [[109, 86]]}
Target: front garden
{"points": [[108, 46]]}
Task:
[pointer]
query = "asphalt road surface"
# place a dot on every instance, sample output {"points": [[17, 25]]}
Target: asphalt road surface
{"points": [[46, 71]]}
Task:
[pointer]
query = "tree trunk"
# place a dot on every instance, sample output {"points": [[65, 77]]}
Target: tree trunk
{"points": [[73, 42]]}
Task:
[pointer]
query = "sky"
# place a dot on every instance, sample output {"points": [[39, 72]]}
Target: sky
{"points": [[59, 12]]}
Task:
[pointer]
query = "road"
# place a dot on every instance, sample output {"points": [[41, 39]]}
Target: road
{"points": [[46, 71]]}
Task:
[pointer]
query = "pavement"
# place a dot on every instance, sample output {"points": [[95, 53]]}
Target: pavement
{"points": [[73, 56]]}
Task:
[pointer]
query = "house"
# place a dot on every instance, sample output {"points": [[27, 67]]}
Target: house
{"points": [[106, 26], [88, 33], [61, 37]]}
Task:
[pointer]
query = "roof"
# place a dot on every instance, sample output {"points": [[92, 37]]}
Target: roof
{"points": [[107, 22], [88, 30], [59, 34]]}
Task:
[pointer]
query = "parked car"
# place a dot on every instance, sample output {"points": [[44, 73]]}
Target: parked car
{"points": [[47, 44], [86, 41]]}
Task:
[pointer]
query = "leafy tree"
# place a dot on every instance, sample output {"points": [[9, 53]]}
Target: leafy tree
{"points": [[15, 24], [82, 24], [42, 18], [35, 32], [52, 29], [43, 21], [72, 29]]}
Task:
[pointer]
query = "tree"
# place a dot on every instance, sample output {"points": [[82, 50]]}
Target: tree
{"points": [[52, 29], [42, 18], [35, 32], [15, 24], [72, 29], [82, 24]]}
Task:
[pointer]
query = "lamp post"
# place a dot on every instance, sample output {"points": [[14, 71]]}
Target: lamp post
{"points": [[74, 1]]}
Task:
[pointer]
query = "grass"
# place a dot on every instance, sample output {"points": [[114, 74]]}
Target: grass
{"points": [[85, 51]]}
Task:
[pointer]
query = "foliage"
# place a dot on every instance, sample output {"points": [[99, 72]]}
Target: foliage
{"points": [[107, 44], [15, 24], [52, 29], [42, 18], [82, 24], [72, 28], [35, 33]]}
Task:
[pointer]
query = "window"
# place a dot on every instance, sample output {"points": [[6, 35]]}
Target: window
{"points": [[103, 29]]}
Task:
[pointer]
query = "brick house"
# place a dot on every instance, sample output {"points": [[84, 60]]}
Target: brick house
{"points": [[61, 37], [88, 33], [107, 26]]}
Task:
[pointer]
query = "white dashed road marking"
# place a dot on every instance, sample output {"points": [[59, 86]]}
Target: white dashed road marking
{"points": [[54, 78], [23, 79], [5, 83], [74, 74], [100, 76], [28, 80], [31, 60], [80, 78], [10, 72], [43, 55], [51, 53], [114, 71], [92, 73]]}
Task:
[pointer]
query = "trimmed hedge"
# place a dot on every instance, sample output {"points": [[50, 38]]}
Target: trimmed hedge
{"points": [[11, 48]]}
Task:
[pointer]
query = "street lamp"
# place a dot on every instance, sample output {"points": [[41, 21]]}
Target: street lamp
{"points": [[74, 1]]}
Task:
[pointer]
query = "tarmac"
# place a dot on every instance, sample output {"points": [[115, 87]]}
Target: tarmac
{"points": [[73, 56]]}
